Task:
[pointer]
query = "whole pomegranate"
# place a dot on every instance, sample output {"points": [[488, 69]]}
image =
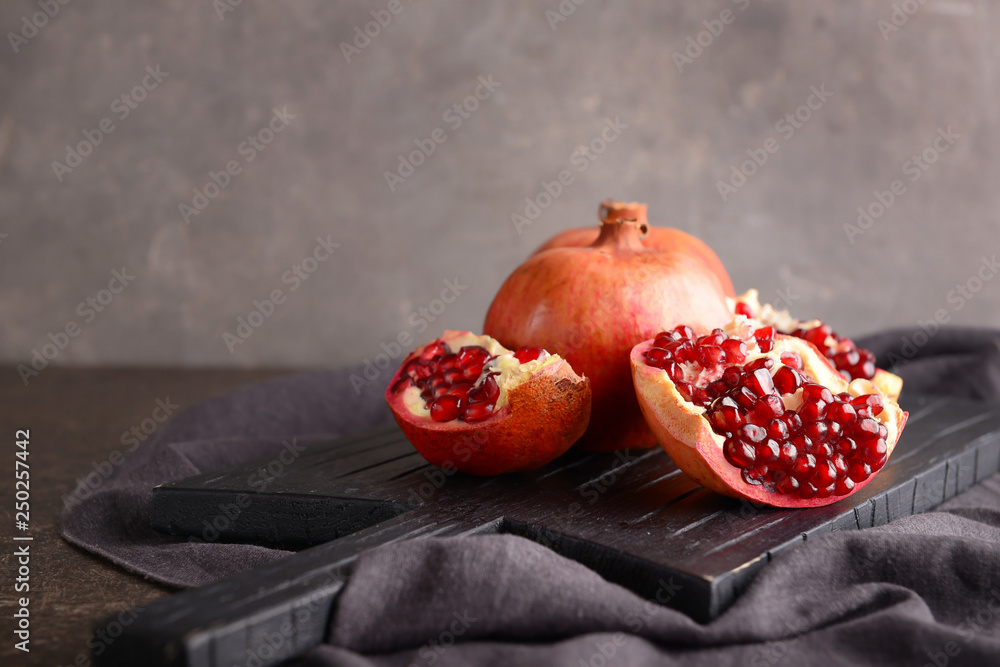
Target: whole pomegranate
{"points": [[762, 416], [659, 238], [467, 403], [593, 304]]}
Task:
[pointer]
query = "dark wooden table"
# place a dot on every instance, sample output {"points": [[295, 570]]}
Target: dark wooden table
{"points": [[76, 417]]}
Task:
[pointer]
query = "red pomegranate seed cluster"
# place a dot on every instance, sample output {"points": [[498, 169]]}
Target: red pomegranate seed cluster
{"points": [[450, 383], [824, 448], [852, 361]]}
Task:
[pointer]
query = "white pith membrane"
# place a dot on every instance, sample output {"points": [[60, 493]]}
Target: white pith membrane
{"points": [[504, 366], [681, 425]]}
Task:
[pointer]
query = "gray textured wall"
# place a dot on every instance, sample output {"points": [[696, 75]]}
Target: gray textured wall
{"points": [[323, 175]]}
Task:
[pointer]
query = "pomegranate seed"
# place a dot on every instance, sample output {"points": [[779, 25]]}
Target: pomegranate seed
{"points": [[768, 408], [792, 359], [818, 335], [883, 431], [717, 388], [656, 357], [732, 376], [846, 359], [816, 431], [710, 356], [744, 398], [873, 450], [473, 371], [778, 430], [685, 331], [403, 384], [804, 466], [845, 447], [764, 333], [866, 428], [842, 413], [448, 361], [435, 349], [754, 476], [786, 484], [840, 465], [767, 451], [424, 369], [859, 471], [675, 371], [807, 491], [752, 433], [785, 380], [821, 450], [454, 375], [793, 420], [471, 354], [730, 417], [684, 389], [461, 389], [759, 381], [743, 309], [440, 390], [816, 392], [802, 443], [685, 352], [700, 397], [663, 339], [487, 392], [834, 431], [446, 408], [813, 411], [526, 354], [872, 401], [477, 412], [714, 339], [735, 349], [757, 364], [843, 486], [739, 453], [788, 455]]}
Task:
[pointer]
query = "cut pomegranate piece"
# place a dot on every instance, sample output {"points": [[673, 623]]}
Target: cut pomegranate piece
{"points": [[783, 427], [852, 361], [518, 411]]}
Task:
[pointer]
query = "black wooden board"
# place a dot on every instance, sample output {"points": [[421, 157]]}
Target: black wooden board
{"points": [[632, 516]]}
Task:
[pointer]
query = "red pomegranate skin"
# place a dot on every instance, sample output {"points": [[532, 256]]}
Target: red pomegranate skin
{"points": [[593, 304], [657, 238]]}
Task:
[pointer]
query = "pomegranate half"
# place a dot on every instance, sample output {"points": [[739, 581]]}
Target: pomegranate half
{"points": [[467, 403], [657, 238], [852, 361], [762, 416], [593, 304]]}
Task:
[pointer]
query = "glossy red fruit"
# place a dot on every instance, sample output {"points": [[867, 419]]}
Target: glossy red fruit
{"points": [[852, 361], [772, 434], [522, 409], [593, 304]]}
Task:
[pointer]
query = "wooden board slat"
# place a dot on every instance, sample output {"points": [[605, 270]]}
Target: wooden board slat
{"points": [[631, 516]]}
